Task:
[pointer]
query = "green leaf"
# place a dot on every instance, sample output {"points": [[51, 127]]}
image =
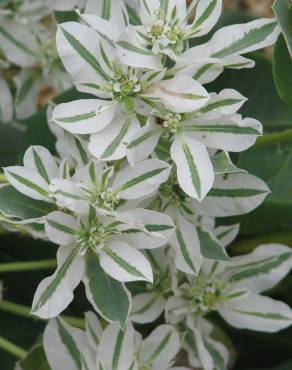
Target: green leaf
{"points": [[16, 204], [258, 86], [211, 248], [222, 164], [283, 12], [108, 296], [35, 360], [59, 276], [283, 70]]}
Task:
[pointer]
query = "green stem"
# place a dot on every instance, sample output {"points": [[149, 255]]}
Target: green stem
{"points": [[246, 245], [27, 266], [25, 311], [277, 137], [3, 179], [12, 348]]}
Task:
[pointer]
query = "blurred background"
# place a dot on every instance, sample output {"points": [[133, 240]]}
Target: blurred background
{"points": [[271, 222]]}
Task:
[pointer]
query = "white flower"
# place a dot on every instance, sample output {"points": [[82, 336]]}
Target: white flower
{"points": [[111, 348], [29, 45], [233, 290], [215, 126]]}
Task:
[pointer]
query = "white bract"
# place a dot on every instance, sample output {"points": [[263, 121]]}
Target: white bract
{"points": [[125, 68], [28, 47], [233, 289], [141, 174], [113, 348]]}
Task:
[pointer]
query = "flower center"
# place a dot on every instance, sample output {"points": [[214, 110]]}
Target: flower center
{"points": [[166, 31], [124, 84], [107, 200], [205, 295], [172, 191], [172, 122], [92, 236]]}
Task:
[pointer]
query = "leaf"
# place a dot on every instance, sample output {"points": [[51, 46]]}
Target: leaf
{"points": [[186, 244], [35, 360], [283, 12], [256, 312], [109, 297], [142, 179], [28, 181], [147, 307], [116, 350], [194, 167], [211, 247], [15, 204], [283, 70], [125, 263], [55, 292], [160, 347]]}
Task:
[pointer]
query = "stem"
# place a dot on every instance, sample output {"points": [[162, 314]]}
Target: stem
{"points": [[27, 266], [3, 179], [275, 138], [246, 245], [25, 311], [12, 348]]}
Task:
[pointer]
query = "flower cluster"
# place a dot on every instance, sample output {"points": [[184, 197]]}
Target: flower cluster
{"points": [[142, 172], [29, 61]]}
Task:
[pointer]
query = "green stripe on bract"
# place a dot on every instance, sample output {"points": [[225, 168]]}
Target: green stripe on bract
{"points": [[16, 42], [189, 96], [40, 166], [29, 184], [92, 173], [51, 288], [106, 9], [228, 129], [264, 268], [77, 118], [234, 295], [135, 49], [70, 344], [202, 70], [124, 264], [117, 140], [193, 169], [140, 179], [65, 229], [184, 250], [104, 56], [84, 53], [117, 350], [164, 5], [91, 85], [26, 87], [160, 347], [206, 14], [156, 227], [81, 151], [142, 138], [146, 6], [133, 16], [146, 306], [92, 333], [219, 360], [219, 104], [267, 315], [68, 195], [235, 193], [252, 37]]}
